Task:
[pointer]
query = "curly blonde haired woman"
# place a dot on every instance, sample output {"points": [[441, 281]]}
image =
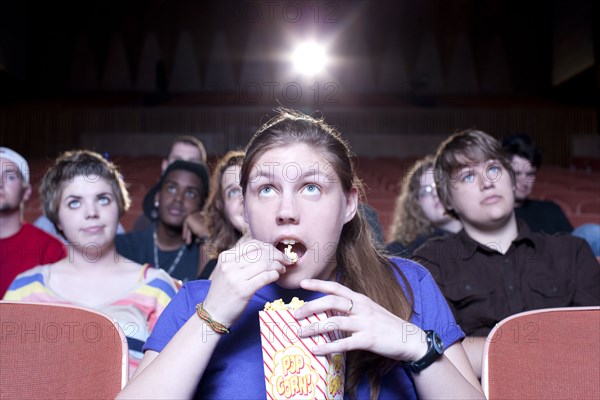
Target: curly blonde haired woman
{"points": [[418, 213]]}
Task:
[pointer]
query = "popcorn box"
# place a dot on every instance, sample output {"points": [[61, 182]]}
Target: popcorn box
{"points": [[292, 371]]}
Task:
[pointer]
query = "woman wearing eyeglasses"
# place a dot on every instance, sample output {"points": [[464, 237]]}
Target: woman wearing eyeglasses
{"points": [[418, 213]]}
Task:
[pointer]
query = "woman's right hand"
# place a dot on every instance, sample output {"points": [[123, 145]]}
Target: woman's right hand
{"points": [[180, 365], [239, 273]]}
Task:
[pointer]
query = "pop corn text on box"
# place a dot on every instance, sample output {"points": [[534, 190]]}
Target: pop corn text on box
{"points": [[292, 371]]}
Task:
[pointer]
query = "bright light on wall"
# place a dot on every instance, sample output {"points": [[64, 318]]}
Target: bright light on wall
{"points": [[309, 58]]}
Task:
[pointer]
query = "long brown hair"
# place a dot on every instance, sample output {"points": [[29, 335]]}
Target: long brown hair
{"points": [[361, 266], [409, 219], [223, 235]]}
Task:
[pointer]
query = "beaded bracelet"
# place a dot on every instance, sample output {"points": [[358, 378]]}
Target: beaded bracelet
{"points": [[212, 324]]}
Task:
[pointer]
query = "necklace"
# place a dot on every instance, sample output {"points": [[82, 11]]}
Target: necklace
{"points": [[177, 258]]}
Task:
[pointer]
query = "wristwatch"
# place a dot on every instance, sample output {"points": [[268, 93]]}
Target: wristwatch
{"points": [[435, 349]]}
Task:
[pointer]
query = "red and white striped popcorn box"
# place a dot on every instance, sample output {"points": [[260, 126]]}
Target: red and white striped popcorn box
{"points": [[292, 371]]}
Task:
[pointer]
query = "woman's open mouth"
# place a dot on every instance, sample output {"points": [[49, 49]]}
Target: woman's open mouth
{"points": [[292, 249]]}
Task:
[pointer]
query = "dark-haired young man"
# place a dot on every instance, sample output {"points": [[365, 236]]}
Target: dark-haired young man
{"points": [[181, 191], [540, 215], [496, 266], [183, 148]]}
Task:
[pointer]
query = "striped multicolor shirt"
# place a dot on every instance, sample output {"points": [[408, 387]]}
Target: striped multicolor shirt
{"points": [[136, 312]]}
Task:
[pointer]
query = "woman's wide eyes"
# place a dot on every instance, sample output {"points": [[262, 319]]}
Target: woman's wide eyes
{"points": [[266, 190], [73, 204], [311, 189]]}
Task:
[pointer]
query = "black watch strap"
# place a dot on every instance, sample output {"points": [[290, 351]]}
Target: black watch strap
{"points": [[435, 349]]}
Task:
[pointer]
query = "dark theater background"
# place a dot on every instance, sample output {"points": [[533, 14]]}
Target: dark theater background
{"points": [[125, 77]]}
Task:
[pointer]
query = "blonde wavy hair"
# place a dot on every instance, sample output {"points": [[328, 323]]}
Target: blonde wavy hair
{"points": [[409, 220]]}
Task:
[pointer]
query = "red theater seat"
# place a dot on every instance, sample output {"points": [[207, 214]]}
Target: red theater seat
{"points": [[589, 207], [59, 351], [544, 354]]}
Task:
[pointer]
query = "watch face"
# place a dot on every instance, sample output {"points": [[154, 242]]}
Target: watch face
{"points": [[438, 344]]}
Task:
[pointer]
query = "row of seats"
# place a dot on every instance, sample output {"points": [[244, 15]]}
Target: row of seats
{"points": [[64, 351]]}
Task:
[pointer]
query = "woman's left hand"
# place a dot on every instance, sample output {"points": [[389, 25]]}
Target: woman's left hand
{"points": [[366, 324]]}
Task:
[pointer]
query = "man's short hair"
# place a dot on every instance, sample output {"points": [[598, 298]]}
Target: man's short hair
{"points": [[191, 140], [462, 149], [521, 144]]}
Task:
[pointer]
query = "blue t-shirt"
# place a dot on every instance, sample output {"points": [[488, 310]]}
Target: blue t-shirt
{"points": [[235, 370]]}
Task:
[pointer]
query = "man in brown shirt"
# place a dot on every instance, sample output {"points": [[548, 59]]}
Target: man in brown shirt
{"points": [[496, 266]]}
